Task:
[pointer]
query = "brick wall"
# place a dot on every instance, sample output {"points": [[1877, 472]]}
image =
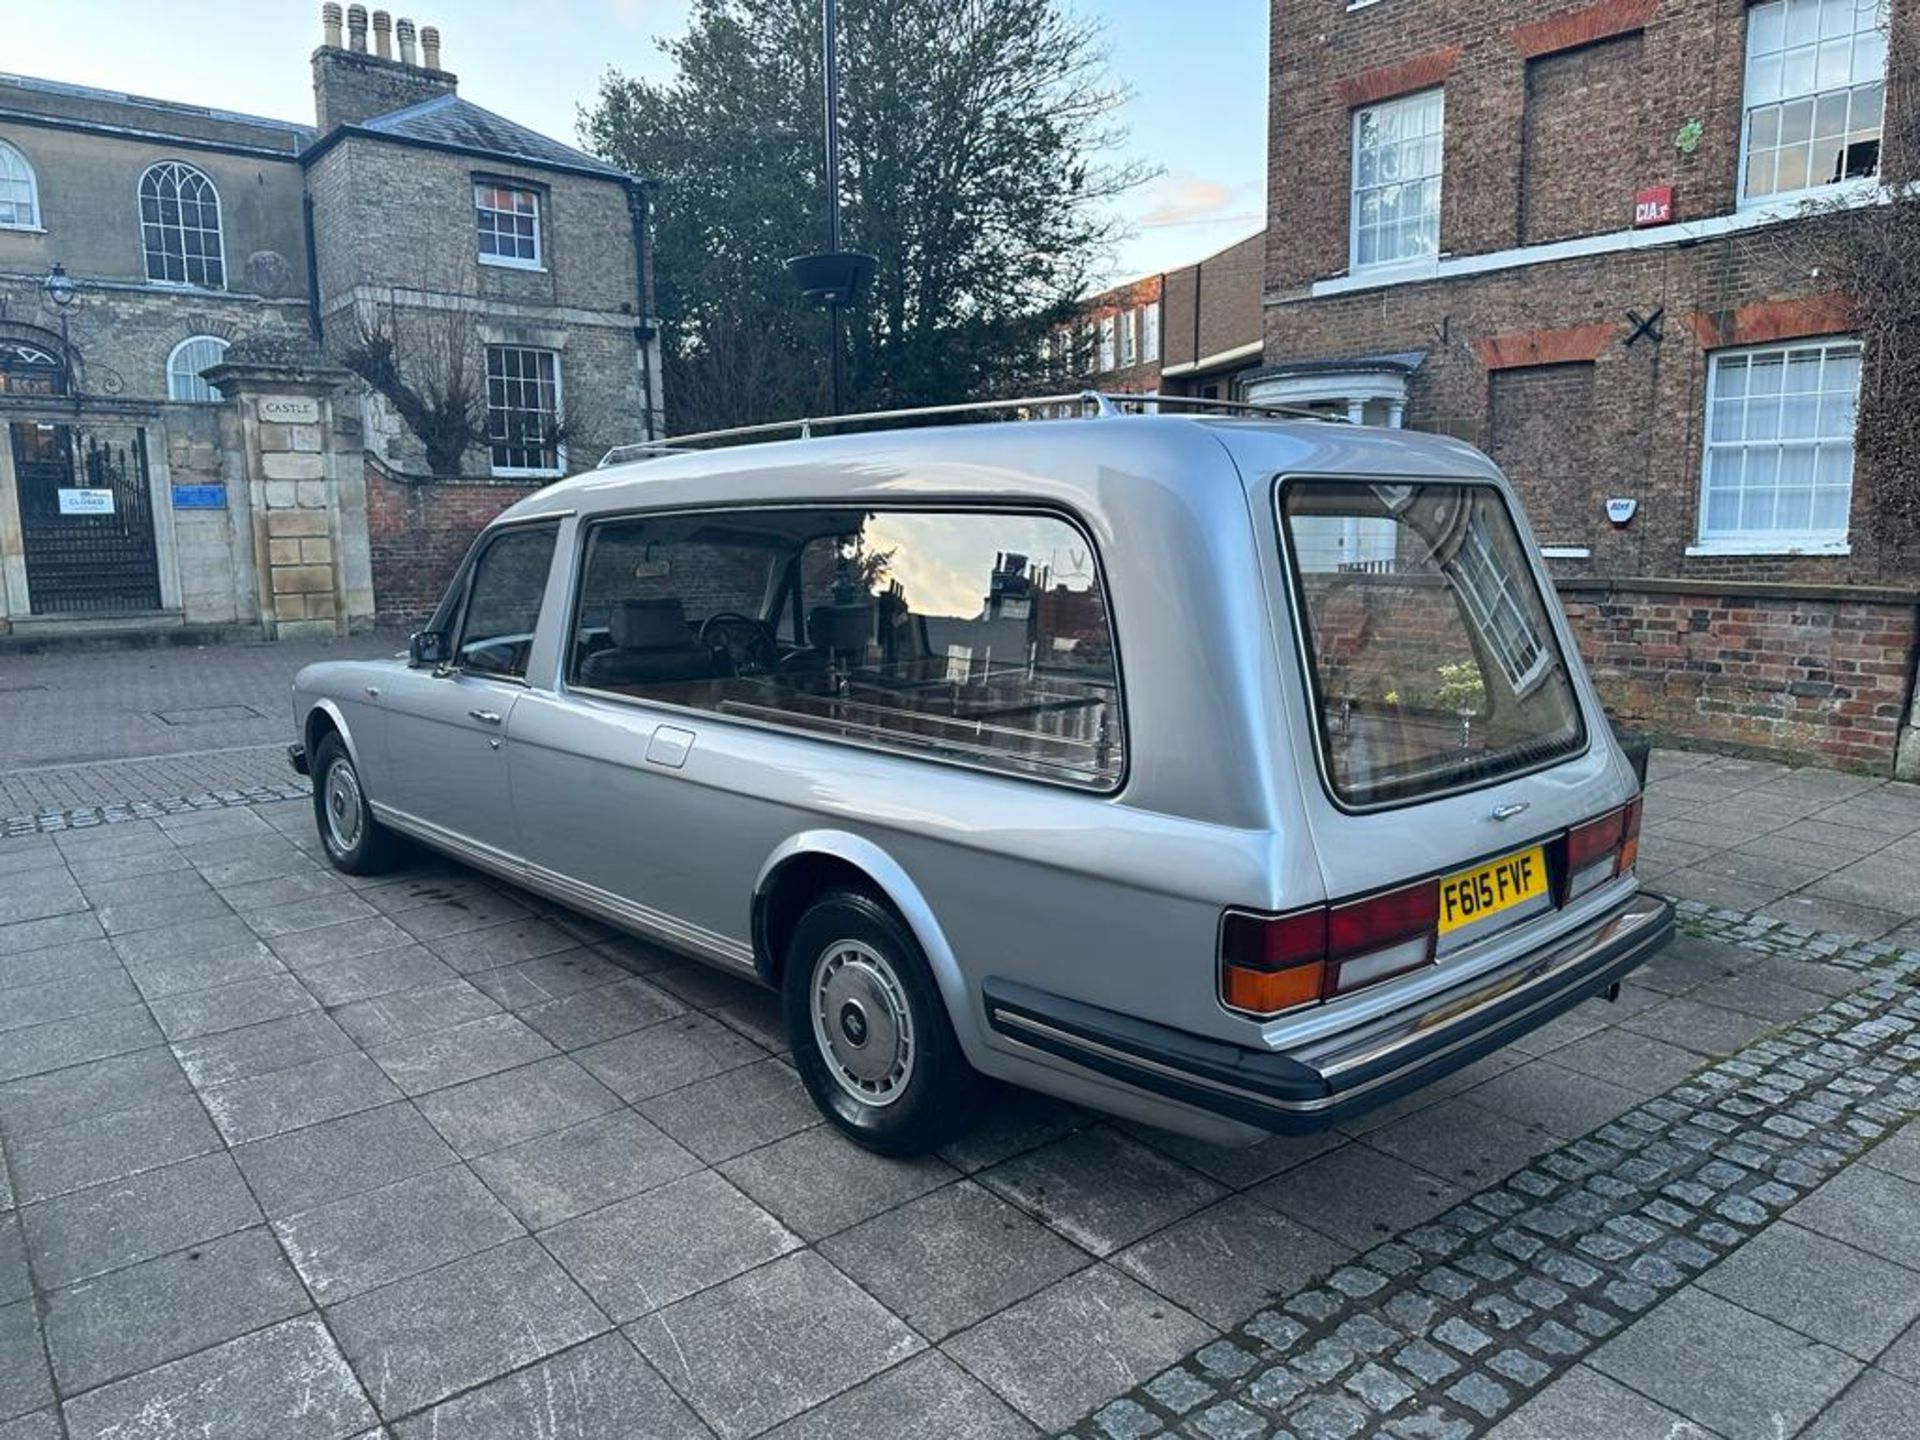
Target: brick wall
{"points": [[1803, 676], [419, 531]]}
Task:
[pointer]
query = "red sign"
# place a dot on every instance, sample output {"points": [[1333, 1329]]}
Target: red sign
{"points": [[1652, 205]]}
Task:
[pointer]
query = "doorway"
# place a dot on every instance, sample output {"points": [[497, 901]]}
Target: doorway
{"points": [[86, 518]]}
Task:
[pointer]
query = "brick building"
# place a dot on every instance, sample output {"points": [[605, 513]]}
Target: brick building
{"points": [[1114, 342], [1587, 238], [179, 287]]}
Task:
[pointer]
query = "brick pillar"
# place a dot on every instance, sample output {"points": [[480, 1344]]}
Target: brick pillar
{"points": [[305, 490]]}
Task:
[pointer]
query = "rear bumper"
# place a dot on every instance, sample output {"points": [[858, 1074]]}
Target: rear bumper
{"points": [[1338, 1077]]}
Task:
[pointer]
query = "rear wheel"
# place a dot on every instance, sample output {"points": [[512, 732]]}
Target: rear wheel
{"points": [[354, 841], [870, 1033]]}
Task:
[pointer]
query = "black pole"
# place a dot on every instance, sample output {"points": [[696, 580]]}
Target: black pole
{"points": [[829, 17]]}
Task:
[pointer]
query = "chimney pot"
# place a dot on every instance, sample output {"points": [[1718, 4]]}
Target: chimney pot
{"points": [[383, 34], [403, 32], [357, 28], [330, 25], [430, 47]]}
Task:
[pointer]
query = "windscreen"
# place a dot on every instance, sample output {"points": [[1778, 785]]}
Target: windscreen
{"points": [[1433, 664]]}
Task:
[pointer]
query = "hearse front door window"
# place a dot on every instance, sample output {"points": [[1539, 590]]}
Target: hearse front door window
{"points": [[503, 602]]}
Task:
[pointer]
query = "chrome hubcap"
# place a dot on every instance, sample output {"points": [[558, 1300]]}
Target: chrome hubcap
{"points": [[861, 1023], [340, 800]]}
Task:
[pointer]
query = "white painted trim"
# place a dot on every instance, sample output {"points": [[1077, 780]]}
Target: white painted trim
{"points": [[1566, 552], [219, 229], [1856, 196], [1807, 545], [1220, 357]]}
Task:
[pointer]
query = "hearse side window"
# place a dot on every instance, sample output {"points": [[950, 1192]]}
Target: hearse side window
{"points": [[503, 602], [971, 636]]}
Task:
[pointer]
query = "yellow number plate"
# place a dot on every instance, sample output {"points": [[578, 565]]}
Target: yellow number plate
{"points": [[1488, 889]]}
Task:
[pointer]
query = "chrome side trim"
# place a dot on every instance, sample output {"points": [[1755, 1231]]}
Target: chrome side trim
{"points": [[1140, 1062], [647, 923]]}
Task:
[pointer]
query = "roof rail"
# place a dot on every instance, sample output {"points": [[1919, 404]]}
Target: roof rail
{"points": [[1092, 403]]}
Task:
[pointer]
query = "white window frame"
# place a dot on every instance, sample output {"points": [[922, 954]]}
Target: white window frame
{"points": [[181, 170], [559, 466], [1129, 338], [1109, 335], [509, 262], [1150, 334], [1771, 541], [17, 174], [178, 379], [1874, 24], [1436, 95]]}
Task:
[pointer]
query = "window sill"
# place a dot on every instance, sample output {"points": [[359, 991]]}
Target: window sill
{"points": [[497, 263], [501, 473], [1808, 546], [23, 229], [1848, 192], [1566, 552]]}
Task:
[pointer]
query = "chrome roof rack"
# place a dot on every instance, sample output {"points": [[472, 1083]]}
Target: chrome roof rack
{"points": [[1092, 403]]}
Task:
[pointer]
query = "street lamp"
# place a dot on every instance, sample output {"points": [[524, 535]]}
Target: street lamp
{"points": [[59, 288], [834, 277]]}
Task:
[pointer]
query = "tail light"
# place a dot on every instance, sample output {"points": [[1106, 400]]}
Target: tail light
{"points": [[1271, 963], [1601, 849]]}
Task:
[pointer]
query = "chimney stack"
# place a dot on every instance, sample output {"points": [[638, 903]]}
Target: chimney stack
{"points": [[403, 32], [330, 25], [351, 86], [383, 34], [357, 29], [430, 48]]}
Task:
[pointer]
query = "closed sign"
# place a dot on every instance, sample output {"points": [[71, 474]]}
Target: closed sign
{"points": [[86, 502]]}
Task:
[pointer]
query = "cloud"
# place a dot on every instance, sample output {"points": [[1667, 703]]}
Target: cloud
{"points": [[1183, 197]]}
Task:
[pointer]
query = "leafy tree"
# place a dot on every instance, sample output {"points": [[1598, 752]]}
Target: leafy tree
{"points": [[971, 137]]}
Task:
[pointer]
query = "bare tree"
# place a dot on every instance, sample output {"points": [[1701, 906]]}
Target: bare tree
{"points": [[423, 356]]}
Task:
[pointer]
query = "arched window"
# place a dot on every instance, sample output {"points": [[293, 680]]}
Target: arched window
{"points": [[184, 365], [180, 226], [19, 194]]}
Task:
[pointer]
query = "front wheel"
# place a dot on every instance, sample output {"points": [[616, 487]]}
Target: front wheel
{"points": [[355, 842], [870, 1033]]}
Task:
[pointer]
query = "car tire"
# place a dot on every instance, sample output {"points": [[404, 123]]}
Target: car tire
{"points": [[870, 1032], [355, 842]]}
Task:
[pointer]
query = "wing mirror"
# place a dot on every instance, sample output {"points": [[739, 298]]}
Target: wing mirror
{"points": [[427, 648]]}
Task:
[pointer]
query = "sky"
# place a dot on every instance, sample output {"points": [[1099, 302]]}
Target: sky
{"points": [[1197, 70]]}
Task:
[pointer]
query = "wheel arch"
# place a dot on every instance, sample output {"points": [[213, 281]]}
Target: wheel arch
{"points": [[808, 863], [323, 719]]}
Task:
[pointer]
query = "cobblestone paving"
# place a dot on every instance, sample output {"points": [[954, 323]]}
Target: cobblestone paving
{"points": [[72, 797], [1454, 1323]]}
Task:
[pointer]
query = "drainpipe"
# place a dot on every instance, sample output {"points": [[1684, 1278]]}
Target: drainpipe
{"points": [[313, 269], [646, 333]]}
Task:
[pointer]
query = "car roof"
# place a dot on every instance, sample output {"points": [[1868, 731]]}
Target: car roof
{"points": [[1088, 464]]}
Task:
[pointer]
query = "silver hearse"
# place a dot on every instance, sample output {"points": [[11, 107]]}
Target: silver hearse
{"points": [[1233, 774]]}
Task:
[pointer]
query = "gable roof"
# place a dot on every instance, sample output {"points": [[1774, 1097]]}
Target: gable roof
{"points": [[448, 122]]}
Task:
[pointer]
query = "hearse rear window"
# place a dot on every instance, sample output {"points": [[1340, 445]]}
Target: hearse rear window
{"points": [[1433, 663], [970, 636]]}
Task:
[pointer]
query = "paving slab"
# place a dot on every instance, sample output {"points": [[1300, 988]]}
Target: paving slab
{"points": [[601, 1390], [25, 1384], [771, 1343], [1237, 1166], [350, 1155], [1069, 1184], [588, 1017], [654, 1249], [1357, 1196], [410, 1013], [121, 1223], [93, 1088], [64, 998], [64, 1043], [169, 1307], [350, 1246], [57, 962], [288, 1381], [441, 1058], [420, 1340], [952, 1257], [496, 1111], [1463, 1141], [15, 1281], [231, 1007], [47, 1163], [1876, 1406], [1870, 1209], [1057, 1354], [818, 1182], [1231, 1259], [1583, 1404], [667, 1056], [1726, 1368], [570, 1172], [1847, 1298], [300, 1095], [261, 1049], [734, 1112], [927, 1398]]}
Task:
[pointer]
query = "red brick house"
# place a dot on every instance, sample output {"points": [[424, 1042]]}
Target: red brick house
{"points": [[1114, 344], [1578, 235]]}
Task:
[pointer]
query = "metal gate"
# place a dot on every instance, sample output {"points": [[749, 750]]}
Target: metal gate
{"points": [[86, 519]]}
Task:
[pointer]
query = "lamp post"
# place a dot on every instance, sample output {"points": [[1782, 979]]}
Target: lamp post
{"points": [[834, 277], [59, 288]]}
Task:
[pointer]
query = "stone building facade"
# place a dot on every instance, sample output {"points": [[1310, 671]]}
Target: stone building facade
{"points": [[1587, 238], [188, 300]]}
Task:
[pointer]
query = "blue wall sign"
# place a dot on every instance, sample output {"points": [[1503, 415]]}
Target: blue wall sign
{"points": [[199, 497]]}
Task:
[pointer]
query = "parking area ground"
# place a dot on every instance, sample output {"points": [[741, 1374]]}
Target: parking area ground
{"points": [[287, 1154]]}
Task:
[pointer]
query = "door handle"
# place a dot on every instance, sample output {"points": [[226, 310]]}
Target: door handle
{"points": [[485, 717]]}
